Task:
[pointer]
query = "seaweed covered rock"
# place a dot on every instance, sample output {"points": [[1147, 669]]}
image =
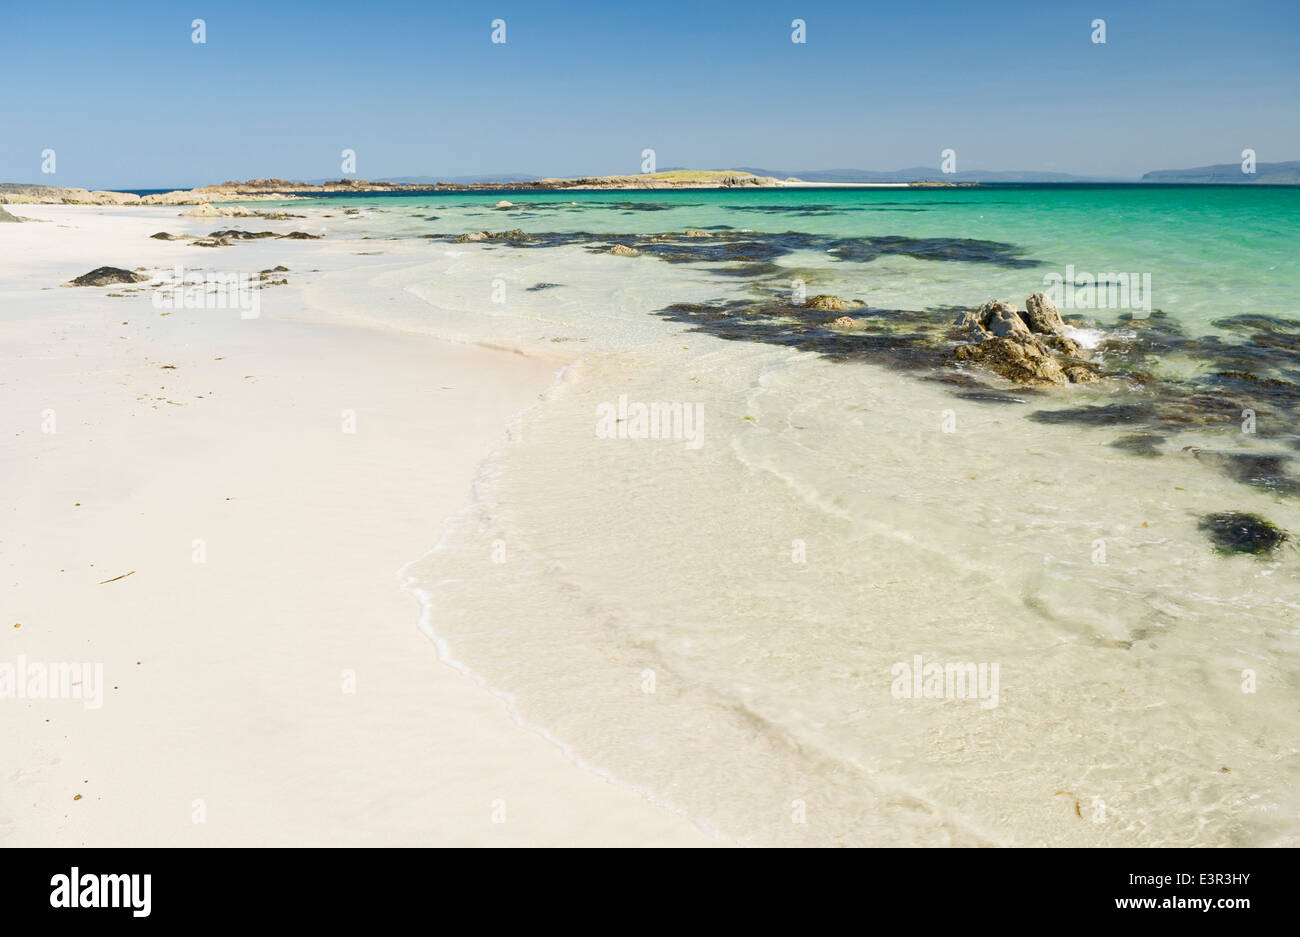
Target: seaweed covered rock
{"points": [[827, 303], [514, 234], [1025, 362], [1232, 532], [1000, 337]]}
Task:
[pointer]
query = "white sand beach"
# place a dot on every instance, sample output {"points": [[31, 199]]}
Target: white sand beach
{"points": [[200, 522]]}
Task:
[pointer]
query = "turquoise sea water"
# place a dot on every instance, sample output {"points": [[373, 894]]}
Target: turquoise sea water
{"points": [[1210, 250]]}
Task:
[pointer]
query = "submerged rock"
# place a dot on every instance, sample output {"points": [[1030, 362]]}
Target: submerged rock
{"points": [[1143, 444], [1081, 374], [826, 303], [1232, 532], [513, 235], [696, 233], [107, 276]]}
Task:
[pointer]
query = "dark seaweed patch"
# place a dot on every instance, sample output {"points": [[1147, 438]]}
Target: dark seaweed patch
{"points": [[751, 247], [902, 339], [1260, 470], [1113, 414], [966, 250], [764, 269]]}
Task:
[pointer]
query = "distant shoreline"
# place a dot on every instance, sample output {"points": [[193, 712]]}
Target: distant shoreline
{"points": [[254, 190], [283, 189]]}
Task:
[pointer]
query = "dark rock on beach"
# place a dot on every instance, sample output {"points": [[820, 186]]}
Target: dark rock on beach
{"points": [[107, 276], [235, 234], [1232, 532]]}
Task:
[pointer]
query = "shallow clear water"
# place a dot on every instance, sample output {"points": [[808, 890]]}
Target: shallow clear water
{"points": [[719, 618], [1209, 250]]}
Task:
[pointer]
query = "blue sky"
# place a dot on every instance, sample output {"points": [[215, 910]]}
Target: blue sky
{"points": [[126, 100]]}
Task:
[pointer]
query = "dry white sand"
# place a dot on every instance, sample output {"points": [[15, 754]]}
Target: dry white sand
{"points": [[224, 698]]}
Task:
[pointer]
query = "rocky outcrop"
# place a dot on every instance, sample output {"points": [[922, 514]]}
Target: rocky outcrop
{"points": [[18, 194], [106, 276], [227, 192], [1041, 316], [1026, 347], [5, 217], [696, 233], [622, 250], [99, 197]]}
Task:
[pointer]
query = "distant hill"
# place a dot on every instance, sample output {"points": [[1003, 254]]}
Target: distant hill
{"points": [[925, 174], [1267, 173], [463, 180]]}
